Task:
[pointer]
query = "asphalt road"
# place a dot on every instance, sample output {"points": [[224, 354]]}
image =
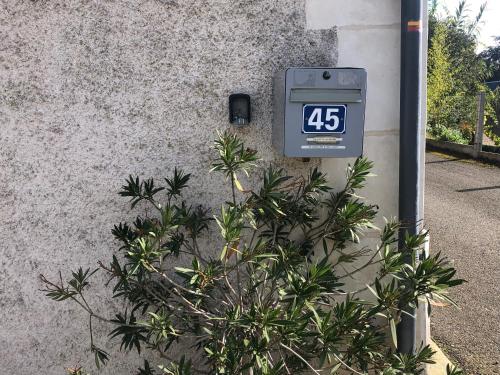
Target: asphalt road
{"points": [[462, 212]]}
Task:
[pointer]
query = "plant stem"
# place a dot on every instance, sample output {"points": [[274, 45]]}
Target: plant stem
{"points": [[300, 357]]}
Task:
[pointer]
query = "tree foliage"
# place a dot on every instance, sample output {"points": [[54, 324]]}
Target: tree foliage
{"points": [[268, 293], [491, 56], [455, 73], [492, 110]]}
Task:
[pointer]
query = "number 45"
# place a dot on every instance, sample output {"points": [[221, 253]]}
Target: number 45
{"points": [[315, 119]]}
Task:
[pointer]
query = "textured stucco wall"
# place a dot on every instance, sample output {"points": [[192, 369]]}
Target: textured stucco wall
{"points": [[92, 90]]}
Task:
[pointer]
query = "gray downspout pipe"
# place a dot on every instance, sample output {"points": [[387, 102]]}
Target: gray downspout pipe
{"points": [[410, 145]]}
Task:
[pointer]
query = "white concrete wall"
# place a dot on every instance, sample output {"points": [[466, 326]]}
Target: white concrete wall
{"points": [[368, 35], [423, 330]]}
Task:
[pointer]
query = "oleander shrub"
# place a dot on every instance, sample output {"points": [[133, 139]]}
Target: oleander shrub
{"points": [[260, 285]]}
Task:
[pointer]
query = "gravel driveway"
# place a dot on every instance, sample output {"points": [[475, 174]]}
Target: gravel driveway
{"points": [[462, 212]]}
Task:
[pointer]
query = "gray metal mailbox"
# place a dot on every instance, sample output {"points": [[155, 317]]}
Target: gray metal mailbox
{"points": [[319, 112]]}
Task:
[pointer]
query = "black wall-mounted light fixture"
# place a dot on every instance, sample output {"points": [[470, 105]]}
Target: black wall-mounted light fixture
{"points": [[239, 109]]}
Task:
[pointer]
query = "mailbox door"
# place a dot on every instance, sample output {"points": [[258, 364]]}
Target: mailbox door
{"points": [[324, 112]]}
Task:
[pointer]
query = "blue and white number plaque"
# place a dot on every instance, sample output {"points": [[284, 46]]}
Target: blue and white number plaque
{"points": [[324, 119]]}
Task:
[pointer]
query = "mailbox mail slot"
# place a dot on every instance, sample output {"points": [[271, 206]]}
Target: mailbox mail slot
{"points": [[319, 112], [325, 95]]}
